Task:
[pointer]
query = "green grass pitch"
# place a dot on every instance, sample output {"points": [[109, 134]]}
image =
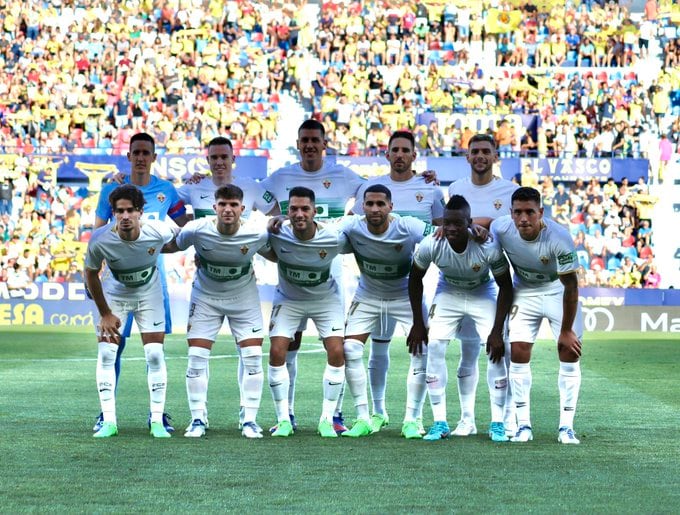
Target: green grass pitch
{"points": [[628, 421]]}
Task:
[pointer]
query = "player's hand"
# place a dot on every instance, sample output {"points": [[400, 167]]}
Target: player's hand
{"points": [[438, 233], [417, 337], [495, 347], [479, 233], [119, 178], [195, 179], [108, 328], [430, 176], [274, 224], [569, 342]]}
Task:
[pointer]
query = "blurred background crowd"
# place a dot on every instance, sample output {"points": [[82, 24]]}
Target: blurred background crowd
{"points": [[82, 76]]}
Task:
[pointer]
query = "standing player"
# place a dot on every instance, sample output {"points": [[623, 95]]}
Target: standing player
{"points": [[543, 257], [130, 248], [224, 287], [333, 185], [464, 291], [307, 289], [411, 195], [383, 246], [161, 200], [489, 197], [201, 196]]}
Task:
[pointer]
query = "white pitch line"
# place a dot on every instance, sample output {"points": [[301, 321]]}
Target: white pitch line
{"points": [[75, 360]]}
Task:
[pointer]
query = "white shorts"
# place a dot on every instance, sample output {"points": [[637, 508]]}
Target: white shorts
{"points": [[287, 315], [375, 315], [528, 311], [242, 311], [148, 310], [449, 309]]}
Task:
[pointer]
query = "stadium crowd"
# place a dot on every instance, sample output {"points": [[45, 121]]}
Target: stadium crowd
{"points": [[82, 78]]}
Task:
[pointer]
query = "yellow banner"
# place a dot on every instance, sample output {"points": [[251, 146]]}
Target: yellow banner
{"points": [[498, 21]]}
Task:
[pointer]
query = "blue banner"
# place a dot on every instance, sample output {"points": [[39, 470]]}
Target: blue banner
{"points": [[568, 170], [67, 304], [83, 167]]}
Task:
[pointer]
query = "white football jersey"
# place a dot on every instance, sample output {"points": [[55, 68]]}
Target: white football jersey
{"points": [[384, 259], [305, 266], [488, 201], [334, 185], [201, 196], [468, 270], [132, 263], [539, 263], [413, 197], [226, 260]]}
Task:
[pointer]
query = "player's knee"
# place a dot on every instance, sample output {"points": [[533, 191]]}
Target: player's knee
{"points": [[437, 349], [107, 353], [154, 355], [252, 359], [566, 354], [354, 350], [197, 362]]}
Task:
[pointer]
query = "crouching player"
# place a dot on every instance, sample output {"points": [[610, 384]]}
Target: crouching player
{"points": [[546, 286], [464, 290], [224, 286], [130, 248]]}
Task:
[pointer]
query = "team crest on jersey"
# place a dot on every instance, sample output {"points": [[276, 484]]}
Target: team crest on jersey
{"points": [[244, 250], [497, 204], [419, 196], [327, 183], [151, 251], [476, 267], [545, 260], [323, 253], [398, 247], [160, 197]]}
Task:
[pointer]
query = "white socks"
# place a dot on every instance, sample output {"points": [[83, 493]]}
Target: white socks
{"points": [[333, 381], [437, 378], [497, 380], [157, 377], [468, 377], [355, 374], [106, 380], [378, 365], [279, 383], [569, 383], [416, 386], [251, 385], [291, 366], [197, 381], [520, 379]]}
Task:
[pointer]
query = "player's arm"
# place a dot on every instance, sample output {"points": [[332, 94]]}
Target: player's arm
{"points": [[418, 333], [99, 222], [182, 219], [495, 346], [274, 211], [568, 338], [484, 221], [109, 322], [268, 253]]}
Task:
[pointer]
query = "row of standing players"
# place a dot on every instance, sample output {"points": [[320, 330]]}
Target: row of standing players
{"points": [[465, 302]]}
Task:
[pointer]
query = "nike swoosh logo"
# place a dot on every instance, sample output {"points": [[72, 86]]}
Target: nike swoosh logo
{"points": [[284, 251], [258, 329], [333, 384], [203, 197], [156, 324], [206, 249], [114, 260], [336, 328], [253, 373]]}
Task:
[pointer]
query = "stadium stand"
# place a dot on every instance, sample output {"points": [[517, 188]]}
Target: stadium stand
{"points": [[82, 78]]}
